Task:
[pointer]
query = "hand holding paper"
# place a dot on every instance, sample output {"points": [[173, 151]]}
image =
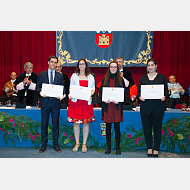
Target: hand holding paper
{"points": [[51, 90], [80, 92], [113, 94], [152, 91]]}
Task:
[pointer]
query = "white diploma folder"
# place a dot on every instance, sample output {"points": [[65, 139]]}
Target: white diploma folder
{"points": [[52, 90], [80, 92], [112, 93], [152, 91]]}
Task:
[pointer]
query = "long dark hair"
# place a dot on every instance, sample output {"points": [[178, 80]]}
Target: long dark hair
{"points": [[107, 75], [87, 69]]}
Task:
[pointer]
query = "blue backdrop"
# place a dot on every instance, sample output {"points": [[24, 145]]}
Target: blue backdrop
{"points": [[175, 129], [99, 48]]}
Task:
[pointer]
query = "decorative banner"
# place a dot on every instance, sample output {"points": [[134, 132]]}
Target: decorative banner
{"points": [[99, 48], [103, 129]]}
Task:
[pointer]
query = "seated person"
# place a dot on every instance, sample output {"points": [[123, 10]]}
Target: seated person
{"points": [[26, 86], [9, 92], [66, 83], [175, 90], [187, 93]]}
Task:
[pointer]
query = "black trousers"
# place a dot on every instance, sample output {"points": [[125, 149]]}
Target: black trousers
{"points": [[45, 113], [173, 101], [149, 121], [117, 134]]}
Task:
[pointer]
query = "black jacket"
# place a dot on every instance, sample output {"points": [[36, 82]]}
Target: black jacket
{"points": [[31, 98]]}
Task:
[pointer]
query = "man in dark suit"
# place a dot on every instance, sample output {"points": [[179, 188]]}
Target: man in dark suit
{"points": [[26, 86], [50, 104], [127, 77], [66, 84]]}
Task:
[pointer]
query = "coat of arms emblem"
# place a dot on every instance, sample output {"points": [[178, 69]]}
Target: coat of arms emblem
{"points": [[103, 38]]}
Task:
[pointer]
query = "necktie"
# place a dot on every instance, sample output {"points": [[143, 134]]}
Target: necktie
{"points": [[51, 77]]}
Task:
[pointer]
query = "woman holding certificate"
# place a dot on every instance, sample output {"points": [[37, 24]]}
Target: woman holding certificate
{"points": [[112, 110], [80, 109], [152, 92]]}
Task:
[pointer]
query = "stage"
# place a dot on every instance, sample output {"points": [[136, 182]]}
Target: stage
{"points": [[21, 128]]}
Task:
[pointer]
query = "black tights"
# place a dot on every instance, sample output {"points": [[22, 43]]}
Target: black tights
{"points": [[117, 134]]}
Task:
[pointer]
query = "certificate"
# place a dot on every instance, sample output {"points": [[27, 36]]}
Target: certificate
{"points": [[80, 92], [152, 91], [116, 94], [52, 90]]}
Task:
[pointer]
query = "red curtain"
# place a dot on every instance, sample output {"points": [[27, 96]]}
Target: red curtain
{"points": [[17, 48], [170, 49]]}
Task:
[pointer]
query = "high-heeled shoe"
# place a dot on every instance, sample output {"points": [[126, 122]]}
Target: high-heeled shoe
{"points": [[84, 148], [155, 155], [75, 149], [108, 151], [118, 151], [149, 153]]}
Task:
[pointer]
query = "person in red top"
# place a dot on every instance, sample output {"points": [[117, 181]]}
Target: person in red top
{"points": [[112, 111], [81, 111]]}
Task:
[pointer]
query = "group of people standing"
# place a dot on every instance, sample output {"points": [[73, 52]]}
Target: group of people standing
{"points": [[81, 111]]}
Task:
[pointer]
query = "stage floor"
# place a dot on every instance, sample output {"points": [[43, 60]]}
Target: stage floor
{"points": [[25, 152]]}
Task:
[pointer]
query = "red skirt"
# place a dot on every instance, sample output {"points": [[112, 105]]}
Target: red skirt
{"points": [[80, 111], [113, 115]]}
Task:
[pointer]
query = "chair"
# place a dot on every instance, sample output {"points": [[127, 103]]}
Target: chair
{"points": [[178, 106]]}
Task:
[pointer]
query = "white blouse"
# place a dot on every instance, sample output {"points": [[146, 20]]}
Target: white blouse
{"points": [[75, 81]]}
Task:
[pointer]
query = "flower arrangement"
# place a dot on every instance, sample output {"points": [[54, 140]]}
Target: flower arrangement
{"points": [[132, 139], [175, 132], [19, 128]]}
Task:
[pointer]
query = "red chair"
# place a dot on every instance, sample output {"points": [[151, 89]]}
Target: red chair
{"points": [[178, 106]]}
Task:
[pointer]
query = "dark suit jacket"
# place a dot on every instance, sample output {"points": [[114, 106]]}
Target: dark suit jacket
{"points": [[127, 75], [31, 98], [43, 78], [94, 96], [66, 87]]}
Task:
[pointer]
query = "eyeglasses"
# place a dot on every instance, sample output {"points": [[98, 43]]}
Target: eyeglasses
{"points": [[58, 66], [113, 67], [54, 62], [81, 63]]}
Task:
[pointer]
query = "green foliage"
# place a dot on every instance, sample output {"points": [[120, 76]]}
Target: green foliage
{"points": [[176, 133], [19, 128]]}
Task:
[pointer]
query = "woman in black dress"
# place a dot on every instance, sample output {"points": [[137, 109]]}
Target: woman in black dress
{"points": [[152, 110], [112, 111]]}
